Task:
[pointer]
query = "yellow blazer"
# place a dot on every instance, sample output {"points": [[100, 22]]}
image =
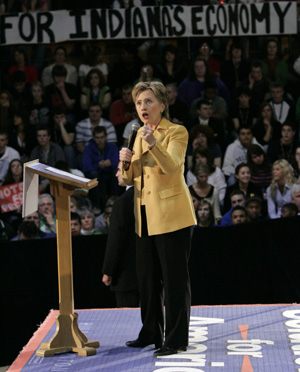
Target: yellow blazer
{"points": [[168, 203]]}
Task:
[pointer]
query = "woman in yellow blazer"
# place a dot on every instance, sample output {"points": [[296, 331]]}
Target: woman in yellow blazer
{"points": [[164, 213]]}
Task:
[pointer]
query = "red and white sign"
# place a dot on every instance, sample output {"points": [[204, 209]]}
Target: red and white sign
{"points": [[11, 197]]}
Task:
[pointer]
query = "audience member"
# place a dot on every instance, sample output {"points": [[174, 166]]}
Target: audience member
{"points": [[285, 147], [100, 160], [21, 64], [170, 69], [258, 84], [22, 136], [235, 70], [60, 55], [279, 192], [47, 213], [296, 164], [238, 215], [218, 104], [14, 173], [203, 190], [274, 68], [27, 231], [260, 167], [203, 135], [7, 232], [122, 111], [236, 153], [295, 195], [243, 183], [216, 177], [254, 208], [204, 112], [237, 197], [243, 112], [63, 94], [46, 151], [35, 218], [64, 136], [39, 111], [7, 154], [289, 210], [205, 214], [84, 129], [204, 50], [95, 90], [283, 108], [192, 87], [266, 128], [178, 112], [103, 221], [93, 60], [7, 110], [87, 222], [75, 224], [146, 74], [20, 91]]}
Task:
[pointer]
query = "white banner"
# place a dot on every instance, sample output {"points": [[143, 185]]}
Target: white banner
{"points": [[270, 18]]}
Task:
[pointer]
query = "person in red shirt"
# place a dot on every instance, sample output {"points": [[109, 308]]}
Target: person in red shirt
{"points": [[21, 63]]}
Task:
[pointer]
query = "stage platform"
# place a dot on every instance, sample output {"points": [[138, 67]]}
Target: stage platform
{"points": [[258, 338]]}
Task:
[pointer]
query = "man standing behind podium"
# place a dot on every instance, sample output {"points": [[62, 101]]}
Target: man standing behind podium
{"points": [[119, 260], [164, 214]]}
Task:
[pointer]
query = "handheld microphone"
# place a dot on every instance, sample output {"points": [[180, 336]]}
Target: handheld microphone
{"points": [[135, 127]]}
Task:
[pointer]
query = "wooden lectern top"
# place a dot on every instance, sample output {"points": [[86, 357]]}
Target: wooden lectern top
{"points": [[61, 176]]}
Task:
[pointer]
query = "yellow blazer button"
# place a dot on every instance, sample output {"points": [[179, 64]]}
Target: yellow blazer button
{"points": [[149, 192]]}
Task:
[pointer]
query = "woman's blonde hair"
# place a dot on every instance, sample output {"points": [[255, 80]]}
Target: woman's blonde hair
{"points": [[158, 89], [288, 173]]}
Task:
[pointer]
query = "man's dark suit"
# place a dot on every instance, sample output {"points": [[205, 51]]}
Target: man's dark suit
{"points": [[119, 260]]}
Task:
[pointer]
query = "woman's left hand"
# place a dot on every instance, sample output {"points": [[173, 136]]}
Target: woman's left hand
{"points": [[147, 135]]}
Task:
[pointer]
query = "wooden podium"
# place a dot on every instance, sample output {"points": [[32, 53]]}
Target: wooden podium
{"points": [[68, 336]]}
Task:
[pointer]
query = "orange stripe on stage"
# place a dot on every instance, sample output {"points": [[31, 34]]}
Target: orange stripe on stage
{"points": [[247, 366]]}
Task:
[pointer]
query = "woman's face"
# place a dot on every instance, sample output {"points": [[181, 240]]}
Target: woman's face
{"points": [[202, 178], [297, 155], [258, 159], [169, 57], [19, 58], [87, 222], [17, 120], [278, 173], [244, 175], [16, 168], [199, 69], [272, 48], [73, 207], [149, 108], [203, 213], [267, 112], [4, 100], [236, 53], [244, 100], [200, 140], [36, 92], [204, 50], [94, 80], [200, 159]]}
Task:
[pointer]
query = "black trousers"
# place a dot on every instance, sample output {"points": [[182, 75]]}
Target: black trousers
{"points": [[163, 276]]}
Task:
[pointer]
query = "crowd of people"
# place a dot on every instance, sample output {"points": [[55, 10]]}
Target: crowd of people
{"points": [[243, 157]]}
